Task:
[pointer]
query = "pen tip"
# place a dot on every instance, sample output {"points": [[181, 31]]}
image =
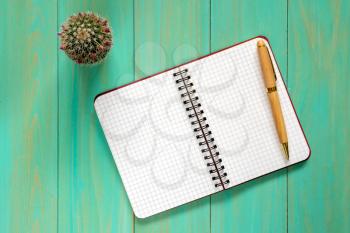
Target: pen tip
{"points": [[261, 43], [285, 149]]}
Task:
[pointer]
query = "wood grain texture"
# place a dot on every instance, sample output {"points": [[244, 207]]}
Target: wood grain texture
{"points": [[318, 70], [169, 33], [91, 195], [260, 205], [28, 116], [272, 93]]}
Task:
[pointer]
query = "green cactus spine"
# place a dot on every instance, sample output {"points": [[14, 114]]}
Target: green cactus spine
{"points": [[86, 38]]}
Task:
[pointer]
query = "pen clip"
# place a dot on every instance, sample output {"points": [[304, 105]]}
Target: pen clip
{"points": [[273, 67]]}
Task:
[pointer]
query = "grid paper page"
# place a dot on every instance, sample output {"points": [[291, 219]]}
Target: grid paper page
{"points": [[233, 95], [153, 145]]}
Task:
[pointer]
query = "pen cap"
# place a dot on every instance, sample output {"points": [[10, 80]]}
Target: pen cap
{"points": [[266, 65]]}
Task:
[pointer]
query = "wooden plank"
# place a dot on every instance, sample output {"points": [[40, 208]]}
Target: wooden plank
{"points": [[28, 138], [260, 205], [169, 33], [91, 195], [319, 67]]}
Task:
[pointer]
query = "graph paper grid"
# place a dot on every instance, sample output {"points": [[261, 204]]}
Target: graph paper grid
{"points": [[153, 144]]}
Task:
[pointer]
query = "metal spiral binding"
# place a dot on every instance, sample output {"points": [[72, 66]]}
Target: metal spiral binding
{"points": [[201, 128]]}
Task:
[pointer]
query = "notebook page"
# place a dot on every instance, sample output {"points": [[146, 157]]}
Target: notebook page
{"points": [[153, 145], [233, 95]]}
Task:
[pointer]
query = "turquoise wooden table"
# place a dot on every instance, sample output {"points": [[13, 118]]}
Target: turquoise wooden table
{"points": [[57, 174]]}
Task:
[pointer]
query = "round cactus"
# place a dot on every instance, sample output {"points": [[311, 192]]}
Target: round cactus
{"points": [[86, 38]]}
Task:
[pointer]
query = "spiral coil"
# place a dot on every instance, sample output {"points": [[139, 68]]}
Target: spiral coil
{"points": [[201, 128]]}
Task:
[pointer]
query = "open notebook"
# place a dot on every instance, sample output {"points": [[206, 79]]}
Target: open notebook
{"points": [[176, 139]]}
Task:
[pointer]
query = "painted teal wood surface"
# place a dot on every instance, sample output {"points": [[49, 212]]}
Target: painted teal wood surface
{"points": [[318, 70], [91, 195], [57, 174], [28, 116]]}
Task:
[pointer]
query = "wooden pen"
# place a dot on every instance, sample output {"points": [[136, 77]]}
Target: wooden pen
{"points": [[270, 84]]}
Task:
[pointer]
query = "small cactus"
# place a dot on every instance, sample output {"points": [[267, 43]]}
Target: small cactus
{"points": [[86, 38]]}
